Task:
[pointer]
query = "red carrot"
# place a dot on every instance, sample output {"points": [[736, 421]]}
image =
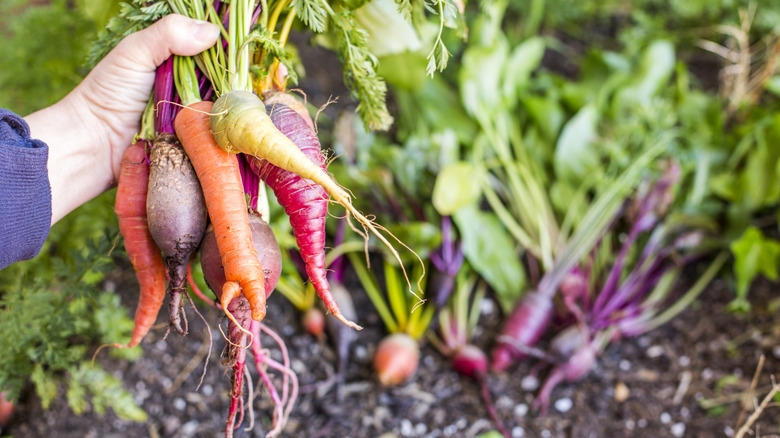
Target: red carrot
{"points": [[130, 208]]}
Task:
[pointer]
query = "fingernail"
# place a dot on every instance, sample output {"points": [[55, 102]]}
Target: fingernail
{"points": [[205, 31]]}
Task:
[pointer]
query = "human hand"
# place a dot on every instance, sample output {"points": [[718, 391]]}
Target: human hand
{"points": [[88, 131]]}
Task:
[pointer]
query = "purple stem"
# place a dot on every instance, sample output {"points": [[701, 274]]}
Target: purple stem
{"points": [[447, 261], [610, 286], [164, 92], [251, 181], [634, 286], [204, 86], [258, 11]]}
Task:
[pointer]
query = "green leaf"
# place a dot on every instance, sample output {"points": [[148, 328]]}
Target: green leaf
{"points": [[404, 70], [45, 385], [575, 153], [312, 13], [524, 59], [479, 75], [754, 255], [490, 250], [107, 392], [655, 69], [547, 115], [491, 434], [457, 186]]}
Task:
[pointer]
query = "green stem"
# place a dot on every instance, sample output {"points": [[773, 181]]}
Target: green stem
{"points": [[522, 237], [185, 80], [395, 295], [691, 294], [292, 293], [369, 284]]}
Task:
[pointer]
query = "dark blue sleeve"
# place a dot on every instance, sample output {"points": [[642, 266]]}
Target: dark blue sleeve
{"points": [[25, 193]]}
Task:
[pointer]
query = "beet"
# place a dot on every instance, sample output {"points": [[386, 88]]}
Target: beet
{"points": [[176, 211], [396, 359], [268, 252]]}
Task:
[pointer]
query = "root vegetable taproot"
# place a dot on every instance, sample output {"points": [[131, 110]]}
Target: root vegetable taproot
{"points": [[396, 359], [304, 201], [522, 330], [223, 191], [145, 256], [177, 216], [211, 261]]}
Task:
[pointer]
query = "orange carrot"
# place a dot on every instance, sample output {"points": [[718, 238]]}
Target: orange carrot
{"points": [[220, 179], [130, 208]]}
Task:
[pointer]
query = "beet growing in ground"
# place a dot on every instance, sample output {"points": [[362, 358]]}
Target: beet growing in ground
{"points": [[657, 385]]}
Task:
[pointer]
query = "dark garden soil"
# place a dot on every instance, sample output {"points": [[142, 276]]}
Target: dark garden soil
{"points": [[667, 383]]}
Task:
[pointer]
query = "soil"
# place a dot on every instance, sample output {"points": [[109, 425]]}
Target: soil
{"points": [[687, 378]]}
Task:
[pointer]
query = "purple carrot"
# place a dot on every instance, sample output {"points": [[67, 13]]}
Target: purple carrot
{"points": [[305, 202]]}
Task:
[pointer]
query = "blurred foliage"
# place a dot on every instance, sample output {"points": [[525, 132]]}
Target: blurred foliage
{"points": [[55, 306], [40, 65]]}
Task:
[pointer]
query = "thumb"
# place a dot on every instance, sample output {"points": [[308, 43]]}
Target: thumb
{"points": [[172, 35]]}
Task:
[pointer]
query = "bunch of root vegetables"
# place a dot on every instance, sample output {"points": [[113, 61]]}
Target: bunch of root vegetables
{"points": [[214, 136]]}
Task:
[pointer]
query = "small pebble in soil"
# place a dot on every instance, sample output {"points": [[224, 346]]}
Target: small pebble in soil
{"points": [[678, 429], [428, 361], [706, 374], [207, 390], [504, 402], [298, 366], [641, 423], [109, 286], [655, 351], [624, 365], [529, 383], [179, 403], [450, 429], [189, 428], [630, 424], [545, 433], [420, 428], [776, 351], [518, 432], [487, 306], [521, 410], [406, 428], [666, 418], [360, 352], [728, 431], [563, 404], [684, 361], [170, 425], [621, 392], [685, 412]]}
